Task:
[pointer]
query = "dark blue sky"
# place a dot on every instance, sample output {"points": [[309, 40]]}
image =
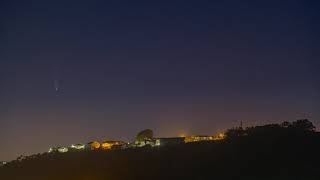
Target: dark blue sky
{"points": [[193, 67]]}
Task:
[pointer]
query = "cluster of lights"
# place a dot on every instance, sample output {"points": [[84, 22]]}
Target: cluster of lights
{"points": [[107, 145], [219, 136]]}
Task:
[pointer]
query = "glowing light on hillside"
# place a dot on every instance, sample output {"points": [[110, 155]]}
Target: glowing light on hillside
{"points": [[221, 135], [95, 145], [106, 146]]}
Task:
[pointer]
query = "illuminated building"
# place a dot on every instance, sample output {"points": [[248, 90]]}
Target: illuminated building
{"points": [[150, 142], [107, 145], [2, 163], [94, 145], [189, 139], [198, 138], [62, 149], [220, 136], [160, 141], [78, 146], [51, 150], [169, 141], [58, 149]]}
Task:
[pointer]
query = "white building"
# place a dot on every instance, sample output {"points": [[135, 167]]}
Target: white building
{"points": [[62, 149], [78, 146], [2, 163]]}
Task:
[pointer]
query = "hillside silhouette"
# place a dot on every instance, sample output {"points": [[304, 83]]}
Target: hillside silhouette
{"points": [[270, 152]]}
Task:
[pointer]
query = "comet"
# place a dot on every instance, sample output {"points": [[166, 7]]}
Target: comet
{"points": [[56, 86], [56, 78]]}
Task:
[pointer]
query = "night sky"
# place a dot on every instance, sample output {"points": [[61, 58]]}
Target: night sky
{"points": [[192, 67]]}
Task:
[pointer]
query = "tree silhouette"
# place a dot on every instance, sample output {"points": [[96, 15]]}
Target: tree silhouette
{"points": [[304, 125], [145, 134], [285, 124], [234, 132]]}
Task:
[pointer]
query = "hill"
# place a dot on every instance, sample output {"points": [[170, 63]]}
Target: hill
{"points": [[266, 152]]}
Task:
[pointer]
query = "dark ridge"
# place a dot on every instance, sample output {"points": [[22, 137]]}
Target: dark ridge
{"points": [[271, 152]]}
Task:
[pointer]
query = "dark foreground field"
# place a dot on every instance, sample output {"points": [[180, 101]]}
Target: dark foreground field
{"points": [[269, 157]]}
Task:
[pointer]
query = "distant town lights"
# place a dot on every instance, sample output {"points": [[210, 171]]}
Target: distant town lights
{"points": [[153, 142]]}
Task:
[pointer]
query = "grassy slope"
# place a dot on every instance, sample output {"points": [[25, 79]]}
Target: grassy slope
{"points": [[244, 158]]}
